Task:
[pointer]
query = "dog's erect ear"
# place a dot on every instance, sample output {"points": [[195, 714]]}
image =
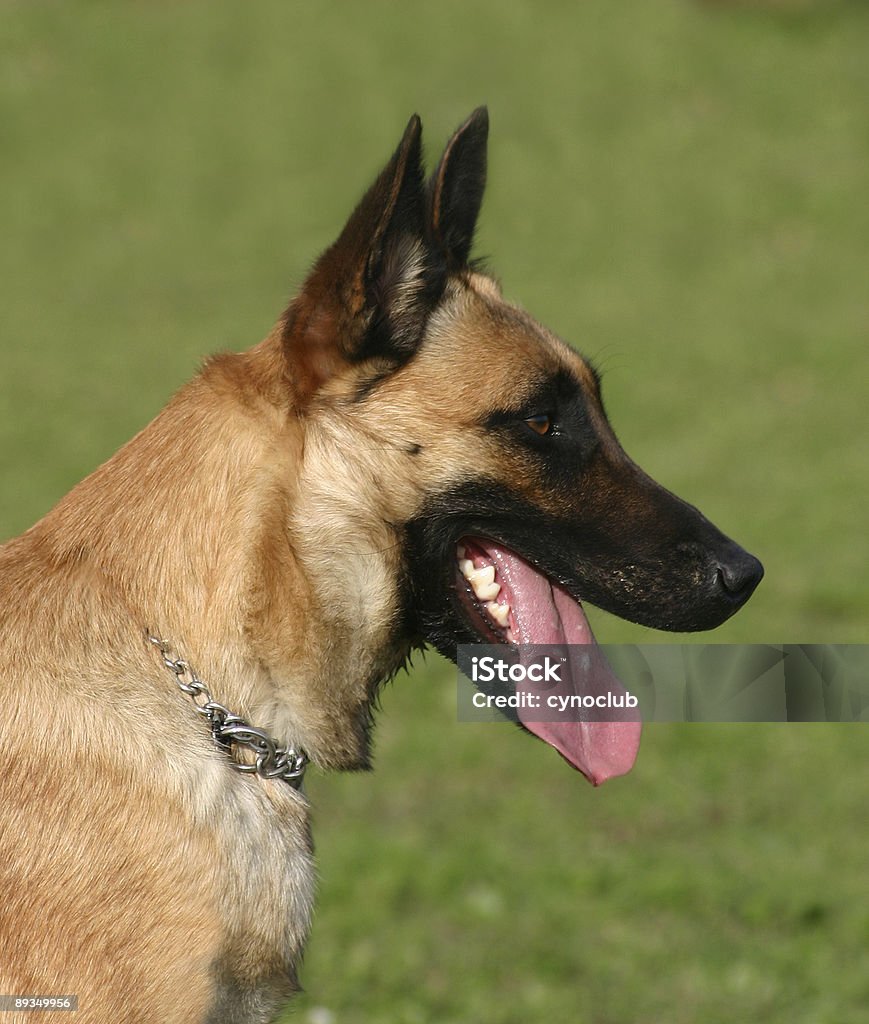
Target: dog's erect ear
{"points": [[455, 191], [370, 293]]}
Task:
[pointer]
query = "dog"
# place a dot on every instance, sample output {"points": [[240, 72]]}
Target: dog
{"points": [[406, 459]]}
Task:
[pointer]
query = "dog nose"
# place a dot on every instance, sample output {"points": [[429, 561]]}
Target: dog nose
{"points": [[738, 575]]}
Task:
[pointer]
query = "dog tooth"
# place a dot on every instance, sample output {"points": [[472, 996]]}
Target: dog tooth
{"points": [[499, 612], [484, 575], [486, 591], [466, 567], [483, 583], [460, 551]]}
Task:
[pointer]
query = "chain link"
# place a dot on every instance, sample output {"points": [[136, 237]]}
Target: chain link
{"points": [[229, 730]]}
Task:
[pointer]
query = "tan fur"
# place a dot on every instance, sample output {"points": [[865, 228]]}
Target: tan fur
{"points": [[107, 773]]}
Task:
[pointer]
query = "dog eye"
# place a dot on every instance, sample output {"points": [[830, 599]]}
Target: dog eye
{"points": [[540, 424]]}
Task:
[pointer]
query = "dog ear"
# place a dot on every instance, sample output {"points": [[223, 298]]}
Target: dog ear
{"points": [[370, 293], [455, 191]]}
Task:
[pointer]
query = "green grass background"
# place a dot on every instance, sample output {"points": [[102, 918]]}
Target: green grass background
{"points": [[680, 188]]}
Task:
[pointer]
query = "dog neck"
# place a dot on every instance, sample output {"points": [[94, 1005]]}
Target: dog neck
{"points": [[192, 529]]}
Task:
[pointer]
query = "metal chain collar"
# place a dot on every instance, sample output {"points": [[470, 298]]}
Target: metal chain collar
{"points": [[229, 730]]}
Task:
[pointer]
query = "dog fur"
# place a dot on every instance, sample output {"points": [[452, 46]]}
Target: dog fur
{"points": [[289, 520]]}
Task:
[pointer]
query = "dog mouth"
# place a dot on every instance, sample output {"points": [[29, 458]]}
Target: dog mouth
{"points": [[508, 600]]}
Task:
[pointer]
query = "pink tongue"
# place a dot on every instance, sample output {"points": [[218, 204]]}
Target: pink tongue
{"points": [[544, 614]]}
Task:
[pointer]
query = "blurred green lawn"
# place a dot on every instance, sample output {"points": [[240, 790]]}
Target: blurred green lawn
{"points": [[680, 189]]}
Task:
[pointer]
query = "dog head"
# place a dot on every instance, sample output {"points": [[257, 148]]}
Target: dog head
{"points": [[449, 435]]}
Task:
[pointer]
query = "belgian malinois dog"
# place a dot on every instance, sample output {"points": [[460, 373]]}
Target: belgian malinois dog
{"points": [[407, 458]]}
